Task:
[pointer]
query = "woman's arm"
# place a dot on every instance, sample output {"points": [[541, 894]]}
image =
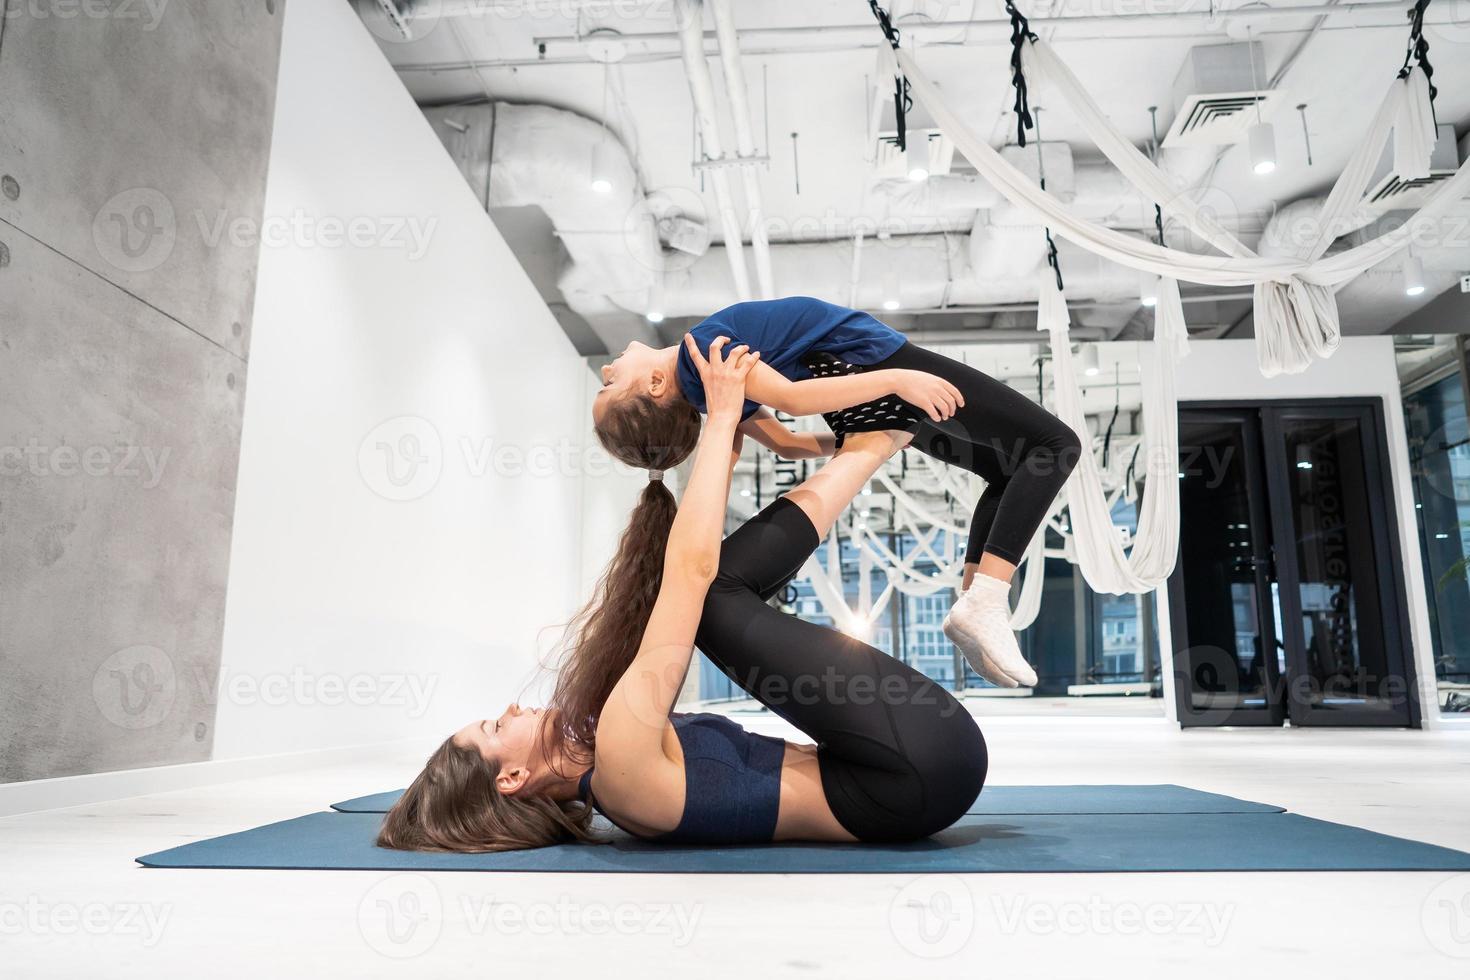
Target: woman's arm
{"points": [[814, 396], [633, 721], [767, 430]]}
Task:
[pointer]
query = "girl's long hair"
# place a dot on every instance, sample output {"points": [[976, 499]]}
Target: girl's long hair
{"points": [[603, 638]]}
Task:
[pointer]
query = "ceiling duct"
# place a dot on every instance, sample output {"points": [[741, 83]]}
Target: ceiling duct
{"points": [[1218, 95], [1390, 191]]}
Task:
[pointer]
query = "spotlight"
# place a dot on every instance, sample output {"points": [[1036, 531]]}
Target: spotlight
{"points": [[601, 172], [1263, 149], [1413, 275], [916, 161], [892, 291], [654, 316], [1148, 291], [1089, 360]]}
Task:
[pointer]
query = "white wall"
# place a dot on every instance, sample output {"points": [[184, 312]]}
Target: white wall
{"points": [[353, 617], [1362, 367]]}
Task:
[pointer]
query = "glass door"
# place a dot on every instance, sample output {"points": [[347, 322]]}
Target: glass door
{"points": [[1227, 662], [1287, 601], [1343, 628]]}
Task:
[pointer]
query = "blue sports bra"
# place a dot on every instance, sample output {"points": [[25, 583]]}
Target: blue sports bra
{"points": [[732, 783]]}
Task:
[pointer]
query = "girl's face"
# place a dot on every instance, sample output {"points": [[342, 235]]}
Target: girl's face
{"points": [[638, 370], [509, 741]]}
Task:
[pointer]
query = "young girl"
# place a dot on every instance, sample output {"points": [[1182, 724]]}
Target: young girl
{"points": [[862, 375], [896, 757]]}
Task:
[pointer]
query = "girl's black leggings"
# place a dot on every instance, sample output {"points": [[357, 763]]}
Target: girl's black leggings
{"points": [[900, 758], [1022, 451]]}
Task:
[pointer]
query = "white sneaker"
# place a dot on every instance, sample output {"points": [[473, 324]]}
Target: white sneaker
{"points": [[980, 625]]}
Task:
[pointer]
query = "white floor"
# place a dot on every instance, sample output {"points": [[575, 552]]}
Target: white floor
{"points": [[72, 903]]}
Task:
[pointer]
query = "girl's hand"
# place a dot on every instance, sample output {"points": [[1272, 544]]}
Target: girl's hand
{"points": [[928, 392], [723, 376]]}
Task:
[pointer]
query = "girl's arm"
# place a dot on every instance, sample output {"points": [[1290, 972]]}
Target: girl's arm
{"points": [[631, 727], [930, 393], [767, 430]]}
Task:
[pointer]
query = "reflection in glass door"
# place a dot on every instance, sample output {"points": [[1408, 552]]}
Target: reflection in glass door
{"points": [[1287, 601], [1232, 661]]}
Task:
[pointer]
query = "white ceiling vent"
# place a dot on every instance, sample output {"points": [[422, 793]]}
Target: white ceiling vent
{"points": [[1219, 95], [1390, 192], [929, 149]]}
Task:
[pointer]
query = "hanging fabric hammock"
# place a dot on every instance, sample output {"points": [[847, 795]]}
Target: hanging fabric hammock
{"points": [[1095, 541], [1295, 307]]}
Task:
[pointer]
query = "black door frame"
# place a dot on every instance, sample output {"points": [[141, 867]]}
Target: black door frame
{"points": [[1267, 414]]}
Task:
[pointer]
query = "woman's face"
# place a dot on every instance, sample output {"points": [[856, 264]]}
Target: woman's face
{"points": [[509, 740]]}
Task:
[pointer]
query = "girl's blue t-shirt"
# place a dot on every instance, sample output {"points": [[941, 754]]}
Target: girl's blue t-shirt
{"points": [[784, 331]]}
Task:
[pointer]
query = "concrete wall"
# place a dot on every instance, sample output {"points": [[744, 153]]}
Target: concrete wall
{"points": [[410, 512], [132, 138], [1362, 366]]}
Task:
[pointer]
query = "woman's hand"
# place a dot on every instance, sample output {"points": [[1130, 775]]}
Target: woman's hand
{"points": [[723, 376], [928, 392]]}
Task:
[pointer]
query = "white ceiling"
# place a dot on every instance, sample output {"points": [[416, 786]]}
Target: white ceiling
{"points": [[818, 85]]}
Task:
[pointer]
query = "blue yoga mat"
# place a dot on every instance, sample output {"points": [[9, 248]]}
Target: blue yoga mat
{"points": [[979, 843], [1160, 798]]}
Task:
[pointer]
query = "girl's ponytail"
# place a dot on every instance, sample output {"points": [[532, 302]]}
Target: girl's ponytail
{"points": [[604, 637]]}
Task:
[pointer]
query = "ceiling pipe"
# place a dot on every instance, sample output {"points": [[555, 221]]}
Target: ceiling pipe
{"points": [[689, 15], [1362, 14], [734, 68]]}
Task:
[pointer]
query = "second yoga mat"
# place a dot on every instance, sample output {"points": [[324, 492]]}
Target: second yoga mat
{"points": [[1083, 798]]}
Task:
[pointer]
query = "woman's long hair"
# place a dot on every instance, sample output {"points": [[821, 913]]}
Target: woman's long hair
{"points": [[454, 804]]}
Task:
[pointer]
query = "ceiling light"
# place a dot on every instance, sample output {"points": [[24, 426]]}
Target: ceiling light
{"points": [[1148, 290], [654, 316], [1089, 360], [916, 161], [1263, 148], [600, 175], [1413, 275], [892, 292]]}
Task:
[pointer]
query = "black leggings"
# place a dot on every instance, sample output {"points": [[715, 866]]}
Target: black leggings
{"points": [[900, 758], [1022, 451]]}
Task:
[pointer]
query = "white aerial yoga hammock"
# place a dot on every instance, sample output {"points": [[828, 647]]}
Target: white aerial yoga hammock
{"points": [[1096, 543], [1295, 306], [903, 576]]}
